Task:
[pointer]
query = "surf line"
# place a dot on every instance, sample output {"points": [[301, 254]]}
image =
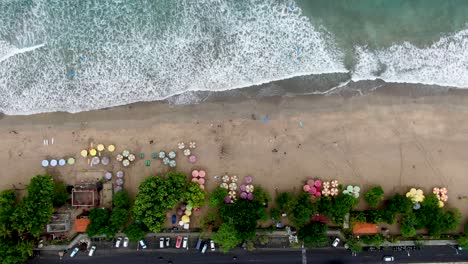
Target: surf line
{"points": [[16, 51]]}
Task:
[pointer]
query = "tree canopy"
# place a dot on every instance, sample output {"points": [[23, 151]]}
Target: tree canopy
{"points": [[227, 237], [284, 201], [243, 215], [314, 234], [135, 232], [194, 195], [217, 197], [60, 194], [302, 209], [374, 196], [121, 200]]}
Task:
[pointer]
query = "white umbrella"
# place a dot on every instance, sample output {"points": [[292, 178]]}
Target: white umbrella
{"points": [[45, 163], [53, 163]]}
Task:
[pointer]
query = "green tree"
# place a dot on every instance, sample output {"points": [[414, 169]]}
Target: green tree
{"points": [[302, 210], [60, 194], [373, 216], [275, 214], [374, 240], [194, 195], [342, 204], [284, 201], [210, 220], [7, 207], [14, 250], [397, 204], [175, 185], [261, 196], [135, 232], [217, 197], [314, 234], [99, 221], [243, 215], [408, 225], [118, 219], [34, 212], [434, 218], [121, 200], [374, 196], [354, 245], [227, 237]]}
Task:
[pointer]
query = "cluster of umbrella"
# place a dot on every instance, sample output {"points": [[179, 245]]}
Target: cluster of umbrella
{"points": [[247, 188], [119, 182], [416, 195], [94, 154], [60, 162], [352, 190], [199, 176], [314, 187], [330, 188], [441, 194], [168, 159], [125, 157], [185, 211], [188, 150]]}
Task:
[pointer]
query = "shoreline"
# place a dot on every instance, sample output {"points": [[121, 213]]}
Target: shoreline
{"points": [[397, 141]]}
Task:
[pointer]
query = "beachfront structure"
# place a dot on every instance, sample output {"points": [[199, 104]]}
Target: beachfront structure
{"points": [[85, 195], [60, 222]]}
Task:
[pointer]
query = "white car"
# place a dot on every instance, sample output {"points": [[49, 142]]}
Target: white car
{"points": [[74, 252], [91, 251], [118, 242], [185, 242], [388, 258], [336, 242], [212, 245], [125, 242], [161, 242], [168, 241], [204, 248], [142, 244]]}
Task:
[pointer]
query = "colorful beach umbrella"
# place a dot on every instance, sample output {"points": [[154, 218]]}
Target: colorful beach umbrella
{"points": [[242, 187], [172, 155], [202, 174], [195, 179], [45, 163], [100, 147], [166, 161], [226, 178], [111, 148], [234, 178], [318, 183], [53, 163], [243, 195], [306, 188], [119, 157], [108, 175], [224, 185], [201, 181], [95, 160], [250, 196], [192, 159], [71, 161], [120, 174], [162, 154], [84, 153], [192, 144], [195, 173], [172, 163], [118, 189], [188, 207], [185, 219], [125, 153], [131, 157], [248, 179], [311, 182], [92, 152], [105, 160]]}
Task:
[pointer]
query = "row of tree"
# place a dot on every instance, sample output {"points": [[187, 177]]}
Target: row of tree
{"points": [[22, 221]]}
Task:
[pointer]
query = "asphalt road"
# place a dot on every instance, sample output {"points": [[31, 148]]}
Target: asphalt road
{"points": [[325, 256]]}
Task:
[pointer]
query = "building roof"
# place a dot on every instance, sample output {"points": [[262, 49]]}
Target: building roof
{"points": [[81, 225], [365, 229]]}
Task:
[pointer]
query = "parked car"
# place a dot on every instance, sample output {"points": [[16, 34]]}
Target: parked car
{"points": [[204, 248], [91, 251], [174, 219], [125, 242], [388, 258], [118, 242], [161, 242], [142, 244], [168, 241], [212, 245], [179, 241], [199, 244], [74, 252], [185, 243], [336, 242]]}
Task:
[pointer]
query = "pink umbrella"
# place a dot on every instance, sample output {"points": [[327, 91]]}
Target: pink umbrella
{"points": [[227, 199], [319, 189], [180, 212], [318, 194], [243, 195], [195, 173], [250, 196], [313, 190], [310, 182], [195, 179], [248, 179], [201, 181], [192, 159], [318, 183], [202, 174], [306, 188]]}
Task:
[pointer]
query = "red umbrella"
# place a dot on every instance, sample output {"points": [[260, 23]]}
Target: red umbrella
{"points": [[306, 188], [192, 159]]}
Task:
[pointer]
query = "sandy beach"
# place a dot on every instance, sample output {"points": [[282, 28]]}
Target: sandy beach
{"points": [[391, 140]]}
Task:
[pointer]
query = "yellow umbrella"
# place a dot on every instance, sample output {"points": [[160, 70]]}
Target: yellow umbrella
{"points": [[84, 153], [188, 212], [100, 147], [93, 152], [185, 219], [111, 148]]}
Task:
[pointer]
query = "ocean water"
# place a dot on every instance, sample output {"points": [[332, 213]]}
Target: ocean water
{"points": [[68, 55]]}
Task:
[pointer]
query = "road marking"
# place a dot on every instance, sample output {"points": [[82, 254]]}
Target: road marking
{"points": [[304, 256]]}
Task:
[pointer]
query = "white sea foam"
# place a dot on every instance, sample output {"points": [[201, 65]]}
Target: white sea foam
{"points": [[121, 53], [444, 63], [7, 50]]}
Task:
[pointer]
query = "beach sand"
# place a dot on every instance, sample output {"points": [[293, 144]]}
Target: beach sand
{"points": [[383, 138]]}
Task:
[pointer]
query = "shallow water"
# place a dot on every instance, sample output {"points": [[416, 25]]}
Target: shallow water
{"points": [[64, 55]]}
